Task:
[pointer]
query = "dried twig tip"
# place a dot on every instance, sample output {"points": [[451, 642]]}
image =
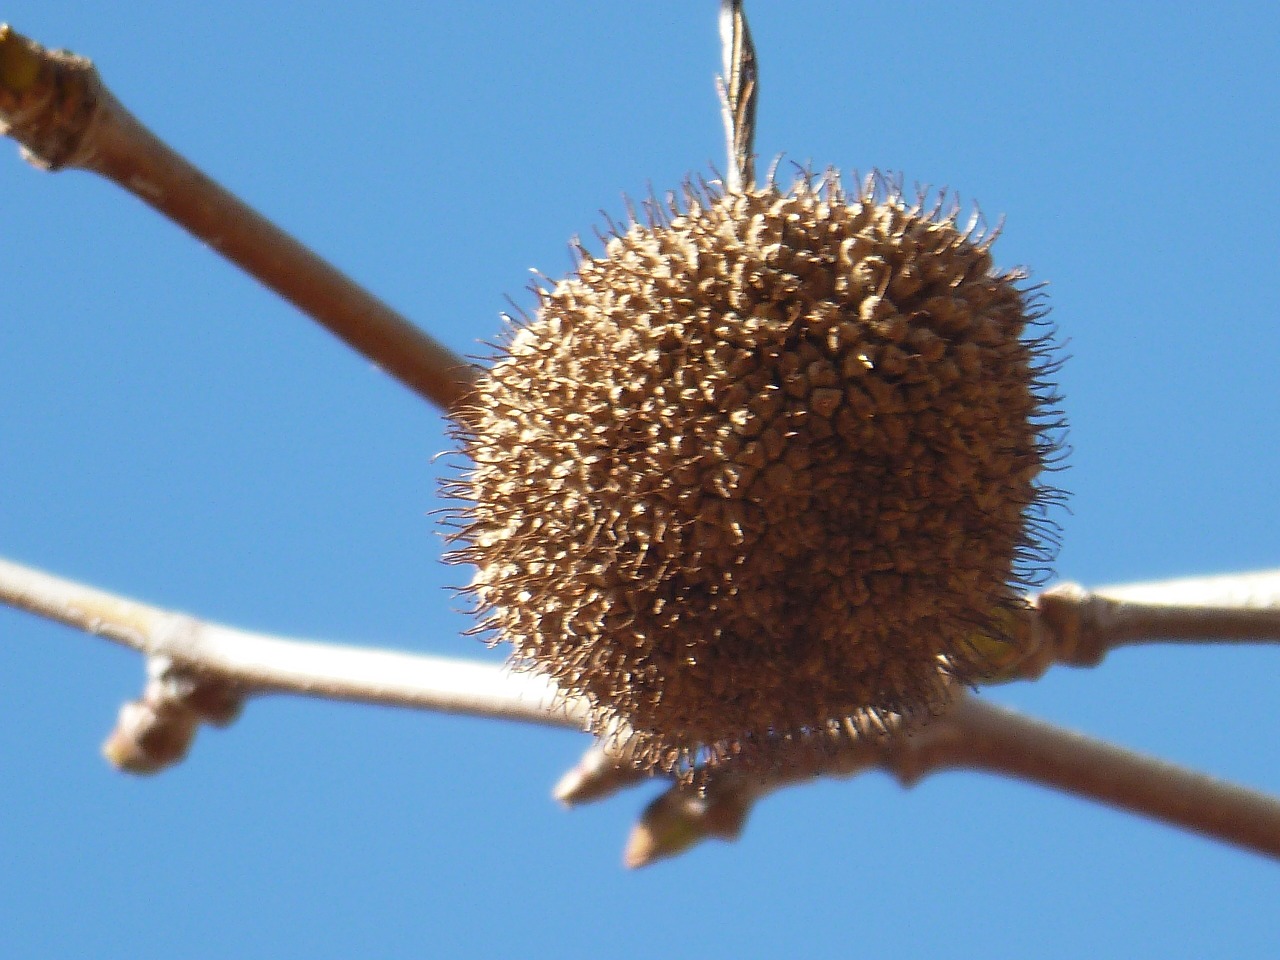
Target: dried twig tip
{"points": [[684, 816], [19, 61], [596, 776]]}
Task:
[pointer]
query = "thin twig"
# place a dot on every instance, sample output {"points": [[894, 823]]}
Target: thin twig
{"points": [[975, 734], [259, 663], [989, 737], [56, 106], [738, 87]]}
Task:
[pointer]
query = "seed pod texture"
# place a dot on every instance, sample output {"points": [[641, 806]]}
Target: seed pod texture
{"points": [[762, 471]]}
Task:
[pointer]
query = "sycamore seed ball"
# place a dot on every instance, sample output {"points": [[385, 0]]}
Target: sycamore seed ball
{"points": [[764, 469]]}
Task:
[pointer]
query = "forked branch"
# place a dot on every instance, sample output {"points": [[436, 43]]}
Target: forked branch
{"points": [[978, 735], [200, 672]]}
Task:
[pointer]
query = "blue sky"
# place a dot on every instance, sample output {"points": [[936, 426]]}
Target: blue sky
{"points": [[172, 431]]}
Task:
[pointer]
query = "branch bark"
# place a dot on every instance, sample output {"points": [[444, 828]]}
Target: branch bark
{"points": [[1083, 626], [988, 737], [259, 663], [975, 734], [200, 672], [57, 107]]}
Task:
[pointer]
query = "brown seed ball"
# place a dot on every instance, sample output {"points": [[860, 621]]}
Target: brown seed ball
{"points": [[761, 471]]}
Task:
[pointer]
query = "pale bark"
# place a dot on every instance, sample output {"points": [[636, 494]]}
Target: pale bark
{"points": [[200, 672]]}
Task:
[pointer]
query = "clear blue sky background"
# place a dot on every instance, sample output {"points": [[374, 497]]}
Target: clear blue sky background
{"points": [[171, 431]]}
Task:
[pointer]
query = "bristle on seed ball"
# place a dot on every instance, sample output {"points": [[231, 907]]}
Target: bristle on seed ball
{"points": [[764, 471]]}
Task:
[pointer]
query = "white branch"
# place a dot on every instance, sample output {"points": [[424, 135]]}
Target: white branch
{"points": [[1080, 626], [258, 663]]}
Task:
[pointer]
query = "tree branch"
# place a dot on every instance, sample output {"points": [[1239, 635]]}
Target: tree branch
{"points": [[57, 107], [988, 737], [1082, 626], [977, 735], [200, 672]]}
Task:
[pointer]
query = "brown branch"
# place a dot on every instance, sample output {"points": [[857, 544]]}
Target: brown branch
{"points": [[57, 107], [977, 735], [984, 736]]}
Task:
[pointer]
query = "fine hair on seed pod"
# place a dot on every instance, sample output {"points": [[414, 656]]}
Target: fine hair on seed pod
{"points": [[766, 472]]}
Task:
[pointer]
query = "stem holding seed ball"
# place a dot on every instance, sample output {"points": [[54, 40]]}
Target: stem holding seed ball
{"points": [[738, 87]]}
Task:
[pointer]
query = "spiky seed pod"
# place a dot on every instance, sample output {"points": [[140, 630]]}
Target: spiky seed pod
{"points": [[762, 470]]}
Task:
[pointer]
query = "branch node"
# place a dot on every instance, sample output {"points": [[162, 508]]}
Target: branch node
{"points": [[49, 101], [1070, 615], [209, 698]]}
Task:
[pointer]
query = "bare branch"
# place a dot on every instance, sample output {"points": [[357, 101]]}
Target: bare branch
{"points": [[1082, 626], [57, 107], [200, 672], [978, 735], [994, 738], [738, 87], [259, 663]]}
